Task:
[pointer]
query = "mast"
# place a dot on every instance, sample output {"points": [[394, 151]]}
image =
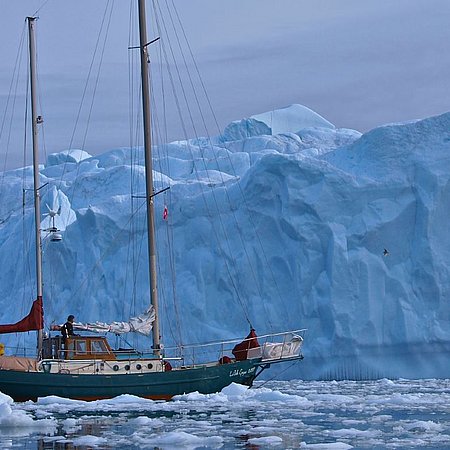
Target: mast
{"points": [[37, 200], [149, 174]]}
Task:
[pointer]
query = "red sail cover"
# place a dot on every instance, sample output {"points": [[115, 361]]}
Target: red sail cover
{"points": [[34, 320], [240, 350]]}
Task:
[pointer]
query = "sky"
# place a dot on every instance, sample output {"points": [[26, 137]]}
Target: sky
{"points": [[359, 64]]}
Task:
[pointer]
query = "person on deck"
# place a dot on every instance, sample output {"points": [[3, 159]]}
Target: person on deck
{"points": [[67, 328]]}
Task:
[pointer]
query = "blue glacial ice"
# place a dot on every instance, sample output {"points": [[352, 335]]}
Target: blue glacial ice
{"points": [[283, 219]]}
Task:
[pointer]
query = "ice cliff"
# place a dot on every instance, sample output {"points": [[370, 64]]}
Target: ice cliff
{"points": [[283, 220]]}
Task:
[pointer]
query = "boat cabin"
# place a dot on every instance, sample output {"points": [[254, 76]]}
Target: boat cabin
{"points": [[78, 347]]}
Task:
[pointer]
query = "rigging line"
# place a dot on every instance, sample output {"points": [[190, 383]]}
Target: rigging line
{"points": [[130, 247], [91, 66], [202, 192], [169, 228], [136, 247], [193, 89], [51, 270], [131, 80], [227, 241], [256, 234], [156, 131], [217, 160], [229, 159], [138, 123], [163, 96], [203, 85], [170, 239], [27, 233], [24, 228], [231, 278], [129, 250], [105, 252], [197, 69], [26, 239], [14, 82], [130, 256], [155, 137], [135, 152], [42, 126], [93, 95], [98, 76], [172, 83], [227, 153], [171, 264], [275, 376], [37, 11], [137, 250], [138, 256], [183, 91], [82, 102], [136, 144], [187, 69]]}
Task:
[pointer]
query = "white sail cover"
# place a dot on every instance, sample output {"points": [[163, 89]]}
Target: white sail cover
{"points": [[141, 324], [287, 349]]}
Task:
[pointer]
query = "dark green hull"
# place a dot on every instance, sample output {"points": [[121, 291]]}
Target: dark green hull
{"points": [[22, 386]]}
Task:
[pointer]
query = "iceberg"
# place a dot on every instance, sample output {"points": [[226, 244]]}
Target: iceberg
{"points": [[310, 210], [292, 119]]}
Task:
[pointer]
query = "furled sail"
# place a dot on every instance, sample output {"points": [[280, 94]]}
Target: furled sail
{"points": [[141, 324], [33, 321]]}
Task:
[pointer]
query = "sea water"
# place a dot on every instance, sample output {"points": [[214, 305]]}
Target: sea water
{"points": [[284, 414]]}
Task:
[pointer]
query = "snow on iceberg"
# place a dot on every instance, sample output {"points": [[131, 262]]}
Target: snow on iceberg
{"points": [[292, 119], [325, 204], [66, 156]]}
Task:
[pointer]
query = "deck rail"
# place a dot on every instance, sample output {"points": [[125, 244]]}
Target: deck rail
{"points": [[270, 348]]}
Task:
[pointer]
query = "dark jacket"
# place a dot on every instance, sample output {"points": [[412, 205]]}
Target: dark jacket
{"points": [[67, 330]]}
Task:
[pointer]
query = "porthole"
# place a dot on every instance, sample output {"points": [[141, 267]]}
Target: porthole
{"points": [[150, 365], [138, 367], [115, 368], [127, 367]]}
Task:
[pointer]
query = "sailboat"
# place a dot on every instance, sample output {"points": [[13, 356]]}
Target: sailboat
{"points": [[86, 366]]}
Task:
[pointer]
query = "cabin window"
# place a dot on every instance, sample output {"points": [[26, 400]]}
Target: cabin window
{"points": [[71, 348], [80, 346], [98, 347]]}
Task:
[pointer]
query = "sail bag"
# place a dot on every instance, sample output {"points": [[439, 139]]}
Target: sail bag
{"points": [[240, 351]]}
